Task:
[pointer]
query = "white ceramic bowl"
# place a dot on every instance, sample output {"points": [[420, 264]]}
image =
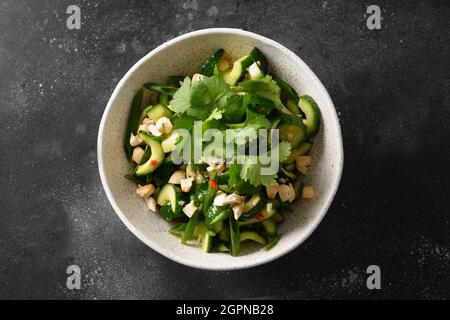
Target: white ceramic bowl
{"points": [[184, 55]]}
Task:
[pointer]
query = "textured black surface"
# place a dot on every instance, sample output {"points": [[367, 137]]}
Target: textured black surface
{"points": [[390, 88]]}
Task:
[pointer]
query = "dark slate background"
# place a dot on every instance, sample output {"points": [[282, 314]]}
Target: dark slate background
{"points": [[390, 88]]}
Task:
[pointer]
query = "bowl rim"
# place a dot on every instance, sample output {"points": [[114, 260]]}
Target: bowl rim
{"points": [[162, 250]]}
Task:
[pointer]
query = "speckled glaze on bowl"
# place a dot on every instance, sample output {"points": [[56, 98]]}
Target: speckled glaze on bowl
{"points": [[184, 55]]}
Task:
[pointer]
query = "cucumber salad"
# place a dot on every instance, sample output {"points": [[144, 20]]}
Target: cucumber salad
{"points": [[179, 136]]}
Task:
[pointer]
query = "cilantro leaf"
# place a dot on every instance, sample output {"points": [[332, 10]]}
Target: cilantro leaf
{"points": [[249, 127], [184, 122], [182, 97], [265, 88], [233, 174], [251, 169], [231, 106], [199, 99]]}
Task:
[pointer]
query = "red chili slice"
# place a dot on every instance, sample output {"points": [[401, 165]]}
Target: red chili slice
{"points": [[213, 183]]}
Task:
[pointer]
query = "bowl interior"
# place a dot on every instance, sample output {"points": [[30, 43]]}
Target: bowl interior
{"points": [[184, 55]]}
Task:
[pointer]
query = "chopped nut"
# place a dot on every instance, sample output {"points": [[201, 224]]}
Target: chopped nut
{"points": [[303, 161], [186, 184], [215, 167], [143, 127], [135, 140], [190, 209], [154, 131], [223, 199], [164, 125], [148, 121], [272, 191], [183, 166], [151, 204], [177, 176], [308, 192], [138, 152], [286, 193], [191, 172], [145, 191], [238, 209], [197, 77]]}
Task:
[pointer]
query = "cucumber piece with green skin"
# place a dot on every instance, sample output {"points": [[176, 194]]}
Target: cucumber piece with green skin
{"points": [[214, 215], [224, 234], [234, 236], [156, 158], [158, 111], [208, 241], [190, 227], [237, 73], [312, 113], [277, 218], [133, 121], [254, 72], [302, 149], [163, 99], [292, 96], [292, 129], [270, 227], [254, 205], [267, 212], [211, 65], [252, 235], [205, 236], [168, 198], [258, 56], [292, 105], [161, 88], [147, 154], [222, 247], [169, 143]]}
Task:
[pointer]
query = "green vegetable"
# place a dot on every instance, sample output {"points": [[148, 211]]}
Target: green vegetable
{"points": [[244, 132], [168, 199], [234, 236], [267, 212], [190, 227], [155, 160], [211, 66], [215, 214], [237, 73], [133, 121], [270, 227], [260, 59], [222, 247], [254, 206], [265, 88], [272, 242], [178, 229], [252, 235], [312, 114], [292, 129], [161, 88], [158, 111]]}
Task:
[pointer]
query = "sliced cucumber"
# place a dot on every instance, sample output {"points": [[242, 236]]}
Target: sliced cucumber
{"points": [[277, 218], [257, 104], [254, 205], [208, 241], [168, 198], [312, 113], [163, 99], [236, 74], [270, 227], [158, 111], [224, 234], [161, 88], [211, 65], [156, 158], [255, 72], [146, 155], [266, 213], [292, 129], [252, 235], [169, 143], [258, 57]]}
